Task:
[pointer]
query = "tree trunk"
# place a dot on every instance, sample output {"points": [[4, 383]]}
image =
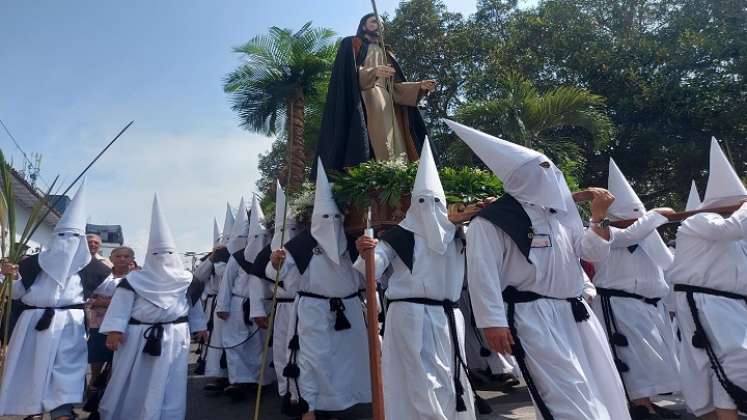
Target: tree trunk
{"points": [[297, 153]]}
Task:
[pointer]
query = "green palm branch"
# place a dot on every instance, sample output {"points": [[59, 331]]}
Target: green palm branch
{"points": [[282, 74], [520, 113]]}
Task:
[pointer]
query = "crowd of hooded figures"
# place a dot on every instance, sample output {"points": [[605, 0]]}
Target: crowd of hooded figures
{"points": [[504, 297]]}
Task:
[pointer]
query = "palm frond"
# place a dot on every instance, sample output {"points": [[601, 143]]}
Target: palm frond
{"points": [[276, 67]]}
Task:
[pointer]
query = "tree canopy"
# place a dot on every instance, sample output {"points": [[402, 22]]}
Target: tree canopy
{"points": [[647, 82]]}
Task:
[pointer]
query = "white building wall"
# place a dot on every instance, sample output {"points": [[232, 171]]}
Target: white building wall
{"points": [[40, 238]]}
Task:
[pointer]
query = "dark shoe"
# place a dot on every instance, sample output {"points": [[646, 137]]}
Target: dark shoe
{"points": [[238, 392], [507, 380], [217, 385], [666, 413]]}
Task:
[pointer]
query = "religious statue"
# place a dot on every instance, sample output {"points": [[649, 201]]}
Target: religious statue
{"points": [[371, 110]]}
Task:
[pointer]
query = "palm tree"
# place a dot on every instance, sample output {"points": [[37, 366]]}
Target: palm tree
{"points": [[519, 113], [270, 89]]}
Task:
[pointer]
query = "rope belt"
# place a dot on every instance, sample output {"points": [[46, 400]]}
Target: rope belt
{"points": [[617, 339], [291, 371], [512, 296], [336, 305], [202, 347], [282, 300], [700, 340], [448, 307], [154, 334], [621, 293], [46, 319]]}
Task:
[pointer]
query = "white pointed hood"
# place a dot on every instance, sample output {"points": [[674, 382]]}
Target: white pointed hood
{"points": [[163, 279], [290, 226], [693, 199], [216, 232], [240, 230], [519, 169], [428, 216], [228, 222], [627, 205], [257, 238], [326, 219], [724, 186], [67, 253]]}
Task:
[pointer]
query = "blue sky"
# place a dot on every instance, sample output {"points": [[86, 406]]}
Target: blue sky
{"points": [[73, 73]]}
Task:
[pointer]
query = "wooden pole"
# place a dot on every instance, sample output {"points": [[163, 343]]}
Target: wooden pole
{"points": [[466, 213], [276, 283], [372, 320]]}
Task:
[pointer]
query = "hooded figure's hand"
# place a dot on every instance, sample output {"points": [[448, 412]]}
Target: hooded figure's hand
{"points": [[277, 258], [364, 244], [114, 340], [499, 339]]}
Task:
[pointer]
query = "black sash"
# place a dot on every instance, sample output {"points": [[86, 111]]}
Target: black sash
{"points": [[621, 293], [154, 333], [617, 339], [46, 319], [336, 305], [459, 363], [246, 308], [700, 340], [512, 296]]}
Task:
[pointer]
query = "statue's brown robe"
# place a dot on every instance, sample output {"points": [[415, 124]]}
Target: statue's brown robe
{"points": [[385, 127]]}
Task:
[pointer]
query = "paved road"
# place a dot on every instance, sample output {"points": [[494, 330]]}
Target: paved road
{"points": [[515, 405]]}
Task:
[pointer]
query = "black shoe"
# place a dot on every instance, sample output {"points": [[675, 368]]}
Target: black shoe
{"points": [[216, 385], [507, 380], [237, 392], [666, 413]]}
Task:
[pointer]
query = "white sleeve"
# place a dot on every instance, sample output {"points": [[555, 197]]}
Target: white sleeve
{"points": [[383, 255], [712, 227], [286, 269], [484, 262], [204, 270], [638, 231], [589, 291], [288, 264], [17, 290], [258, 293], [592, 247], [223, 300], [119, 311], [107, 287], [196, 316]]}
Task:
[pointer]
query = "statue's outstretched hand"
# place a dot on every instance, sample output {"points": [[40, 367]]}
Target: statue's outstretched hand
{"points": [[428, 85]]}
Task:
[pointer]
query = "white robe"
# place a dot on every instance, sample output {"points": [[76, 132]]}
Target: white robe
{"points": [[46, 369], [204, 273], [334, 364], [474, 342], [651, 351], [243, 343], [712, 252], [145, 387], [418, 354], [262, 292], [570, 362]]}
